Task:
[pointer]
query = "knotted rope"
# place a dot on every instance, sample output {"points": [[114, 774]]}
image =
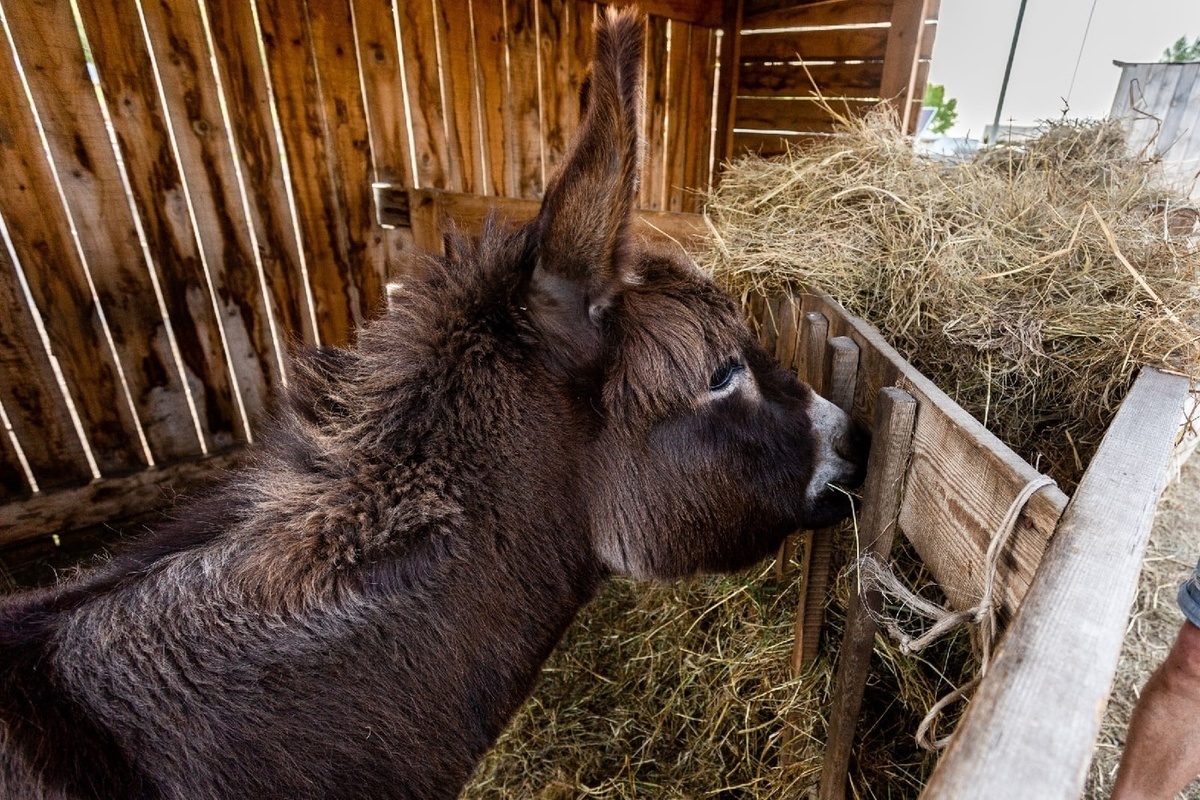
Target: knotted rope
{"points": [[877, 576]]}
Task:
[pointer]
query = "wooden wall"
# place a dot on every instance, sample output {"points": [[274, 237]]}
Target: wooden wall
{"points": [[195, 188], [1158, 105], [804, 63]]}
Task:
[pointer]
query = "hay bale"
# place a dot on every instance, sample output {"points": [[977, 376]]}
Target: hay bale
{"points": [[1029, 283]]}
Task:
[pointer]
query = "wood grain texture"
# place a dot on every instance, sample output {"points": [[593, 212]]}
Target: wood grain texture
{"points": [[360, 240], [657, 90], [559, 98], [1031, 725], [497, 120], [842, 362], [729, 58], [189, 86], [108, 499], [32, 399], [788, 326], [525, 143], [311, 65], [814, 333], [127, 77], [694, 12], [39, 225], [962, 478], [795, 80], [800, 115], [383, 93], [842, 12], [418, 40], [456, 60], [236, 41], [901, 55], [815, 45], [895, 417]]}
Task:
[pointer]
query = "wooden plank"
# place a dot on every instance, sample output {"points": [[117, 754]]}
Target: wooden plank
{"points": [[189, 86], [128, 80], [525, 143], [901, 54], [771, 144], [895, 418], [383, 92], [559, 97], [235, 44], [678, 122], [456, 59], [1061, 651], [772, 114], [796, 80], [361, 247], [692, 12], [657, 95], [39, 226], [109, 499], [962, 479], [788, 326], [697, 165], [729, 59], [431, 210], [843, 12], [497, 118], [32, 399], [418, 46], [339, 299], [815, 45]]}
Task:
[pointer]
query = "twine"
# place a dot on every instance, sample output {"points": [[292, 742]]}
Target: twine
{"points": [[876, 576]]}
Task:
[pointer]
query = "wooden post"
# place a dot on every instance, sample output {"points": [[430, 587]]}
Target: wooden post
{"points": [[1032, 724], [895, 420], [842, 357], [786, 352]]}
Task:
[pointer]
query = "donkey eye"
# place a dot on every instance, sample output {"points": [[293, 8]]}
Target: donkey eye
{"points": [[725, 375]]}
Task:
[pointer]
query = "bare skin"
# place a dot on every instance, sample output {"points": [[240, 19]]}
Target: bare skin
{"points": [[1162, 749]]}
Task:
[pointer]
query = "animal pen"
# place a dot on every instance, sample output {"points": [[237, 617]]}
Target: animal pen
{"points": [[197, 187]]}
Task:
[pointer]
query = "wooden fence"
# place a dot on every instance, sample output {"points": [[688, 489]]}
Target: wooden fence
{"points": [[1158, 105], [196, 187]]}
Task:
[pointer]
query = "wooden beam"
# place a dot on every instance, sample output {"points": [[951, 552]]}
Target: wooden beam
{"points": [[108, 499], [730, 81], [431, 210], [901, 56], [842, 12], [895, 418], [696, 12], [816, 45], [1061, 651]]}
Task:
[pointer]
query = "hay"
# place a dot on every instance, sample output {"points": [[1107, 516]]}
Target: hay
{"points": [[1029, 283], [684, 691]]}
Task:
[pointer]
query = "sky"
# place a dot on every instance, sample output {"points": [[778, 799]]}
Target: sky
{"points": [[974, 36]]}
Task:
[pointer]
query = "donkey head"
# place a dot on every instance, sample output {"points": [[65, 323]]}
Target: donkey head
{"points": [[703, 452]]}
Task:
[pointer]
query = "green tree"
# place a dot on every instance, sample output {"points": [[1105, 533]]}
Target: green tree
{"points": [[947, 110], [1182, 51]]}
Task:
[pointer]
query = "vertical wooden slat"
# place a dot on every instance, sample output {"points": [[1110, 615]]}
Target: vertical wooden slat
{"points": [[236, 40], [53, 61], [895, 418], [498, 122], [730, 59], [189, 85], [653, 189], [379, 56], [901, 55], [32, 399], [680, 124], [127, 78], [560, 38], [435, 168], [525, 144], [320, 121], [456, 57], [361, 247]]}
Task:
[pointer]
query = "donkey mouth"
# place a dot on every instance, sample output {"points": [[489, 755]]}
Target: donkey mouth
{"points": [[835, 498]]}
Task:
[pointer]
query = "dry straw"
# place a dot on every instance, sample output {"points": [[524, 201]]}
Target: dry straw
{"points": [[1030, 284]]}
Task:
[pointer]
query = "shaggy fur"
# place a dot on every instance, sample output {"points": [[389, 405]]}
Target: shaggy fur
{"points": [[359, 612]]}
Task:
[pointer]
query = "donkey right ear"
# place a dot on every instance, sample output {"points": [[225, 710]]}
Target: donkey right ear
{"points": [[582, 228]]}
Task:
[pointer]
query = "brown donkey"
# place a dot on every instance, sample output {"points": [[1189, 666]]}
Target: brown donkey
{"points": [[360, 611]]}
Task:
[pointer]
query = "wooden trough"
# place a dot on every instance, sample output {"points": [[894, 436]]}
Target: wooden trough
{"points": [[1065, 579]]}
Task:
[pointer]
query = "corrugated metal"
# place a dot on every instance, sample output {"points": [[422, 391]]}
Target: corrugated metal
{"points": [[1159, 105]]}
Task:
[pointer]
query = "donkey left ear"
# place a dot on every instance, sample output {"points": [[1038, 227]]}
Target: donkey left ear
{"points": [[583, 224]]}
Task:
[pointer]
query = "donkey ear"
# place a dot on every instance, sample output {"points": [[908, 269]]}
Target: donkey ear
{"points": [[583, 224]]}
